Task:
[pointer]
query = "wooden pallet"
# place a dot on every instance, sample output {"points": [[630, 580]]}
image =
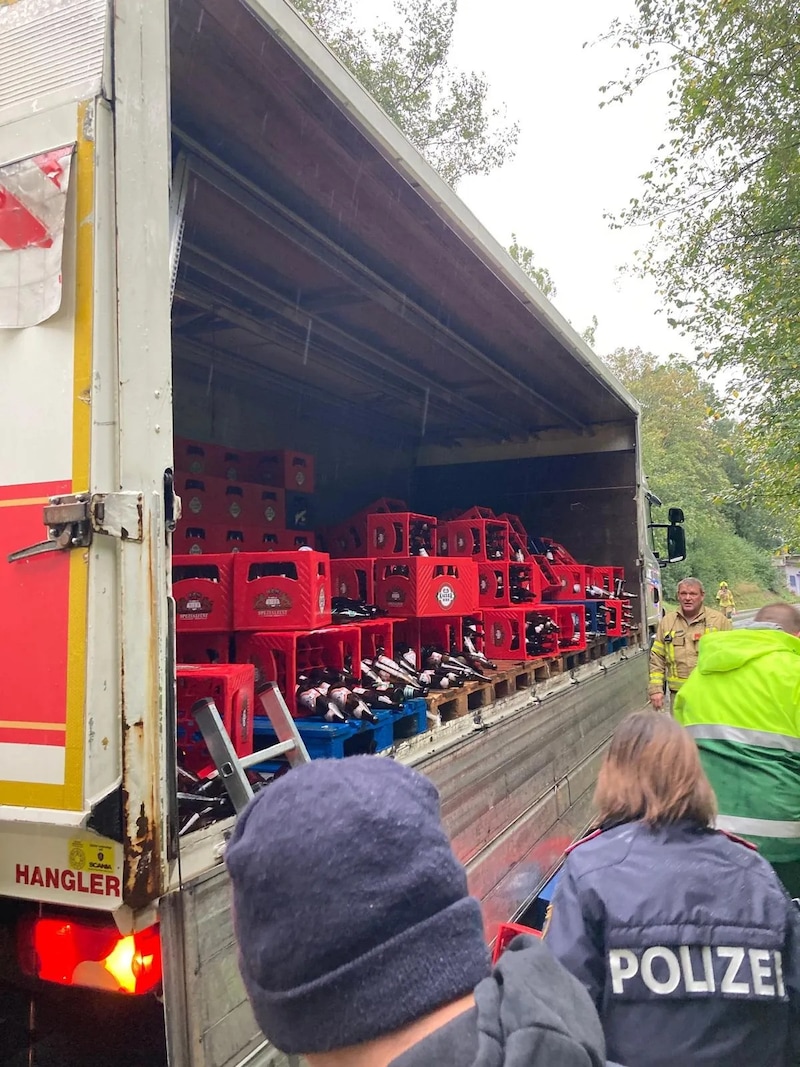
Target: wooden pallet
{"points": [[511, 677]]}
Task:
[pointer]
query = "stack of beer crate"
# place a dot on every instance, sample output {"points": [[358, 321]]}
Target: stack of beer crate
{"points": [[237, 501]]}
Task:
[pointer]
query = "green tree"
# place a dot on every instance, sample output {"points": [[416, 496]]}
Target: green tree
{"points": [[406, 67], [688, 460], [723, 200], [526, 259]]}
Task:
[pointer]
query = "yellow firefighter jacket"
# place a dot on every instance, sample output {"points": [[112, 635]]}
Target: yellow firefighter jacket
{"points": [[674, 652]]}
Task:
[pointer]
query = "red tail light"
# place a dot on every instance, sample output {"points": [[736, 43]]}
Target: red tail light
{"points": [[90, 952]]}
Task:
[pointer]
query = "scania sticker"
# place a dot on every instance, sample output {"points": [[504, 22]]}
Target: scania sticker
{"points": [[87, 856], [446, 596]]}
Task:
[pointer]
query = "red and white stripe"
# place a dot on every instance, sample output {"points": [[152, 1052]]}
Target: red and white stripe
{"points": [[33, 195]]}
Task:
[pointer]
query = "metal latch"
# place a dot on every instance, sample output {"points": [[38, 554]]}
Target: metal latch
{"points": [[72, 521]]}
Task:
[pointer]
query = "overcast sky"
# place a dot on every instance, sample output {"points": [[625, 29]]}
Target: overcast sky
{"points": [[574, 161]]}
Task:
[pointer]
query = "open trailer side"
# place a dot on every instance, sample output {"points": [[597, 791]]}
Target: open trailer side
{"points": [[241, 245]]}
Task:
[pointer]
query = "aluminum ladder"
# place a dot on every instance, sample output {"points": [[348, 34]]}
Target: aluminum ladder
{"points": [[230, 766]]}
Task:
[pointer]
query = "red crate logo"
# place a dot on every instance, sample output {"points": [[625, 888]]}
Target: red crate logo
{"points": [[446, 596], [194, 606], [272, 602], [498, 633], [195, 505], [396, 596], [322, 600], [484, 583]]}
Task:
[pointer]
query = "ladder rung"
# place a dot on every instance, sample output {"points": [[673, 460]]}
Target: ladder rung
{"points": [[267, 753]]}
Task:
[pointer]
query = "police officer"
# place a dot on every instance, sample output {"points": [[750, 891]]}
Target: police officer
{"points": [[683, 935], [673, 656]]}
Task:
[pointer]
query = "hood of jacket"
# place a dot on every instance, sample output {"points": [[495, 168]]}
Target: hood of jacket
{"points": [[529, 1011], [730, 649]]}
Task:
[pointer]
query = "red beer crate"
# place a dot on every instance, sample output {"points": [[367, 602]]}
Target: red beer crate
{"points": [[203, 647], [505, 634], [574, 579], [197, 457], [548, 580], [606, 578], [426, 585], [284, 469], [203, 592], [193, 540], [281, 590], [233, 538], [206, 500], [616, 622], [265, 507], [293, 540], [517, 537], [348, 539], [389, 534], [375, 634], [441, 632], [556, 552], [571, 619], [232, 688], [354, 578], [480, 539], [281, 656], [495, 583]]}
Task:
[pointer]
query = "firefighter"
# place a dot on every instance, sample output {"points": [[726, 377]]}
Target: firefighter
{"points": [[683, 935], [725, 600], [673, 656], [742, 707], [360, 946]]}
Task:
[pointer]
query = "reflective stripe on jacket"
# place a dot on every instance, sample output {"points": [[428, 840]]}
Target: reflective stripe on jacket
{"points": [[742, 706], [673, 655]]}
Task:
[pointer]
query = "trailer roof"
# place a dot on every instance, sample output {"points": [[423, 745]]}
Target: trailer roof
{"points": [[322, 253]]}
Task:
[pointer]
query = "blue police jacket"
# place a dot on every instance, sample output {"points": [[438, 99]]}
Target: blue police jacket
{"points": [[687, 943]]}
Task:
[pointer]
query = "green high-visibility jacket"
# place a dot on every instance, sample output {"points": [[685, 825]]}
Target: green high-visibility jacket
{"points": [[742, 706]]}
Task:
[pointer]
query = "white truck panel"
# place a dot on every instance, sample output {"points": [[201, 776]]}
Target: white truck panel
{"points": [[37, 367], [51, 51]]}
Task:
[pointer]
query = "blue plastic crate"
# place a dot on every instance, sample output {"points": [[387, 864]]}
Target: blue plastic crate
{"points": [[331, 740], [412, 720]]}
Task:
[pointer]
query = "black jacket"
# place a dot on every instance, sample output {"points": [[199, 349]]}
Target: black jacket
{"points": [[687, 943], [529, 1013]]}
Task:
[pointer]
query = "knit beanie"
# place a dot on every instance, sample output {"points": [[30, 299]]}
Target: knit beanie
{"points": [[352, 914]]}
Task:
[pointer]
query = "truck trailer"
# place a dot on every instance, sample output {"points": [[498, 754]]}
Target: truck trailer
{"points": [[209, 229]]}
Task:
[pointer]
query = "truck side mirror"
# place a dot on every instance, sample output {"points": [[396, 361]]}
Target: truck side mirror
{"points": [[676, 542], [675, 516]]}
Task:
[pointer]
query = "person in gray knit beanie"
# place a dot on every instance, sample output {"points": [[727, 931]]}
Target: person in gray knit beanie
{"points": [[359, 943]]}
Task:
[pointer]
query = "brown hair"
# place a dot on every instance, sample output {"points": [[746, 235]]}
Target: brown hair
{"points": [[781, 614], [652, 772]]}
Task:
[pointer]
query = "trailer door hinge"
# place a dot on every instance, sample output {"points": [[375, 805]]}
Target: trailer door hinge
{"points": [[73, 520]]}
